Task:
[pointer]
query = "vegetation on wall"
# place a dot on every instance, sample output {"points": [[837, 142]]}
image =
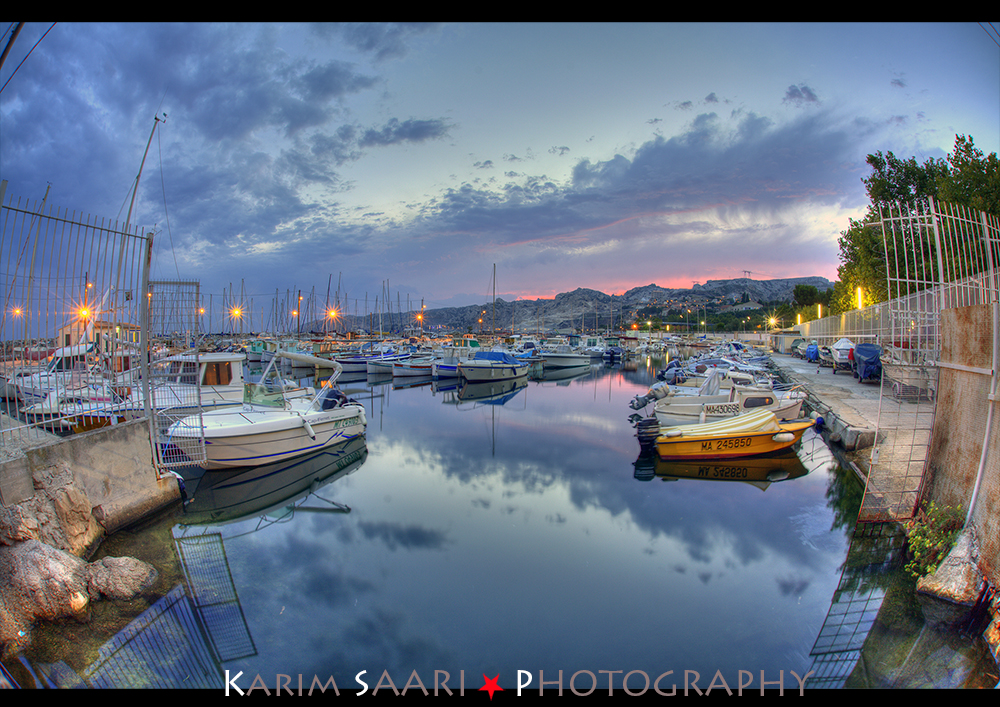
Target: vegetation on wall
{"points": [[931, 535]]}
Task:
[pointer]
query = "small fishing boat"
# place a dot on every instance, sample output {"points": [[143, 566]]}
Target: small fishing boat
{"points": [[564, 356], [697, 409], [270, 427], [415, 366], [745, 435], [380, 365], [492, 365], [868, 362]]}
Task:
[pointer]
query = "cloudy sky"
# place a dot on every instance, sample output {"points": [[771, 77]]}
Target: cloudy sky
{"points": [[605, 156]]}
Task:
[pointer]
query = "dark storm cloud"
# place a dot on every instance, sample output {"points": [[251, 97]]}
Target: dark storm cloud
{"points": [[395, 132], [381, 39], [800, 94], [395, 535], [714, 162], [90, 88]]}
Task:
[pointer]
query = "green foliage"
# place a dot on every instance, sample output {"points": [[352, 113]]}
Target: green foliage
{"points": [[931, 535], [972, 180], [966, 178], [806, 295]]}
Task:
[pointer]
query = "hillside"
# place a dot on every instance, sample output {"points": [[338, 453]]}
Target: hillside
{"points": [[590, 309]]}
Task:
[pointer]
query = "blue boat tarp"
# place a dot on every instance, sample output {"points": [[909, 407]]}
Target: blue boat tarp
{"points": [[812, 352], [867, 363], [498, 356]]}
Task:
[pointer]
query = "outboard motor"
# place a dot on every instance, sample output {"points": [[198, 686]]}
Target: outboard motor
{"points": [[656, 392]]}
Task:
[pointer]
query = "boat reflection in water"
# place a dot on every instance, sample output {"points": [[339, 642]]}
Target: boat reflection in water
{"points": [[491, 392], [273, 490], [759, 471]]}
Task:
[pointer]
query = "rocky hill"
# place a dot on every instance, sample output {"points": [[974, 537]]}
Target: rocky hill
{"points": [[590, 309]]}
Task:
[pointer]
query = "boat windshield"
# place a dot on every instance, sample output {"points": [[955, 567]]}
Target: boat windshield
{"points": [[263, 395]]}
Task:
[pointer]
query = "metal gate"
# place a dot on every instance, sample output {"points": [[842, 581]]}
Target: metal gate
{"points": [[938, 256], [174, 392]]}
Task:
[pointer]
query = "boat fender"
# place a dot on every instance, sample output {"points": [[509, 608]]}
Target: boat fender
{"points": [[819, 423], [309, 429], [672, 433], [783, 437]]}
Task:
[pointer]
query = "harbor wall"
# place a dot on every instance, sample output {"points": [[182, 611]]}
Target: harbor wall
{"points": [[90, 484], [963, 467]]}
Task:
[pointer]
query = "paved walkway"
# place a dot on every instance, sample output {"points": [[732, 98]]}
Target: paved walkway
{"points": [[852, 411], [849, 408]]}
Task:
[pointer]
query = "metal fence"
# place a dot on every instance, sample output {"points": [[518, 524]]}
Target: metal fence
{"points": [[174, 314], [71, 328], [938, 257], [75, 336]]}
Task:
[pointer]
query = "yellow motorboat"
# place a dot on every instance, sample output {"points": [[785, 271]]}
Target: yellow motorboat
{"points": [[744, 435]]}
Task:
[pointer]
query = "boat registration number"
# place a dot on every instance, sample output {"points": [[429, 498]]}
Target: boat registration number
{"points": [[720, 444], [724, 472], [722, 409]]}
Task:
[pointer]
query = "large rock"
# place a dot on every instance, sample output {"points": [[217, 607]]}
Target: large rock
{"points": [[38, 581], [948, 596]]}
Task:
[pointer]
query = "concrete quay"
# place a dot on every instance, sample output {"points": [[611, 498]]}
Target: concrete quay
{"points": [[848, 407]]}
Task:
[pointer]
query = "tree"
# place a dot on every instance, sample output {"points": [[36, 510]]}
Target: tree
{"points": [[972, 180], [805, 295], [966, 178]]}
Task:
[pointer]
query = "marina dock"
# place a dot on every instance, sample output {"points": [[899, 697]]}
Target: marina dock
{"points": [[850, 409]]}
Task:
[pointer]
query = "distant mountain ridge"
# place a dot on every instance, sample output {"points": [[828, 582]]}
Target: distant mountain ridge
{"points": [[586, 308]]}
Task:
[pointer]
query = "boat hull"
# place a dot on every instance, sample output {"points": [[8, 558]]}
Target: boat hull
{"points": [[480, 374], [713, 412], [729, 439], [267, 438]]}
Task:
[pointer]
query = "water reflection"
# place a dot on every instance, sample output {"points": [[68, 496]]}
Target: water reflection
{"points": [[759, 471], [273, 491], [504, 530]]}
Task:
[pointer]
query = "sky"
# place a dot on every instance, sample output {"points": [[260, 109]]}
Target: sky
{"points": [[413, 158]]}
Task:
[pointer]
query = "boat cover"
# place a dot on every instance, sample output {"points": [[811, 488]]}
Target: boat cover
{"points": [[867, 362], [498, 356], [843, 345], [747, 423], [812, 352]]}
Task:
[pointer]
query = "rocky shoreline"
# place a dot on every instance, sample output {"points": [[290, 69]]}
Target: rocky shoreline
{"points": [[44, 573]]}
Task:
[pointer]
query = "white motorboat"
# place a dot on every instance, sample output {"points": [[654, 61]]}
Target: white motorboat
{"points": [[271, 427], [564, 356], [699, 409], [182, 384], [841, 353], [492, 365], [70, 366], [414, 366]]}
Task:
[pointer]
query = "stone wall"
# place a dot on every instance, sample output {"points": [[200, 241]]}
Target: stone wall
{"points": [[960, 429], [92, 484]]}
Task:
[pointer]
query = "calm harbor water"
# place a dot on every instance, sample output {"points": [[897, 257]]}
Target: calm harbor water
{"points": [[483, 536]]}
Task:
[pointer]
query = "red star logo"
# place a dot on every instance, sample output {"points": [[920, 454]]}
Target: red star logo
{"points": [[491, 685]]}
